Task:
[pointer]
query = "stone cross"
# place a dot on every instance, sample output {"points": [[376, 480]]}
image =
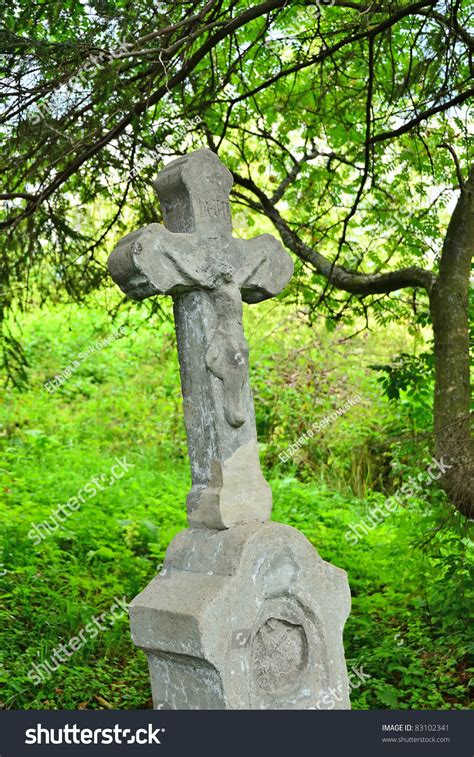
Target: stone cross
{"points": [[244, 614], [195, 259]]}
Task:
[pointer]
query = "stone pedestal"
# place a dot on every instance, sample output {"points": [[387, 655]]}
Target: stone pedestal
{"points": [[245, 618]]}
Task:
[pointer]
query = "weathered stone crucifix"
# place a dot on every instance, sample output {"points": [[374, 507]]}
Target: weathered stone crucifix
{"points": [[195, 259], [245, 614]]}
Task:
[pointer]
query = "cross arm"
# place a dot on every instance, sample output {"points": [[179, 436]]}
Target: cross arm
{"points": [[266, 268], [153, 261]]}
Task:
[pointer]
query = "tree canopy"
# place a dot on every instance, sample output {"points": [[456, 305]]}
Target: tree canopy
{"points": [[344, 122]]}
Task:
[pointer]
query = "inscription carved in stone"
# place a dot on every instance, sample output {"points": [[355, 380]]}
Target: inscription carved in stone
{"points": [[213, 208]]}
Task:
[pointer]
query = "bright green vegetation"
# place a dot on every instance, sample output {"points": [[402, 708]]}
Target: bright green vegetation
{"points": [[409, 576]]}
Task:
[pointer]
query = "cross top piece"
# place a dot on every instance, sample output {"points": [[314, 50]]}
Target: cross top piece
{"points": [[195, 259], [194, 190]]}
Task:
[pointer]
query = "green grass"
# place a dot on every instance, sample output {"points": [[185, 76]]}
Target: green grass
{"points": [[408, 626]]}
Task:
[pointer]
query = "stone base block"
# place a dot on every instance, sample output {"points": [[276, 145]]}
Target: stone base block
{"points": [[246, 618]]}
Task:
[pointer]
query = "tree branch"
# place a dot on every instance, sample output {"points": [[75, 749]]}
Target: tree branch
{"points": [[340, 277], [383, 136]]}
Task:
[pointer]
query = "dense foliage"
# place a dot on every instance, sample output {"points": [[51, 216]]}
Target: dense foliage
{"points": [[410, 576], [352, 114]]}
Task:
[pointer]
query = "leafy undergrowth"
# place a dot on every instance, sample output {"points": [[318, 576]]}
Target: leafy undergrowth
{"points": [[411, 602], [408, 626]]}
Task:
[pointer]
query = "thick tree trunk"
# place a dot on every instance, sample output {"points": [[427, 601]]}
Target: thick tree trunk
{"points": [[450, 318]]}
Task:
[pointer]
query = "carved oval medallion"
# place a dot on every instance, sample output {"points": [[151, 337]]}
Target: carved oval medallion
{"points": [[279, 654]]}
